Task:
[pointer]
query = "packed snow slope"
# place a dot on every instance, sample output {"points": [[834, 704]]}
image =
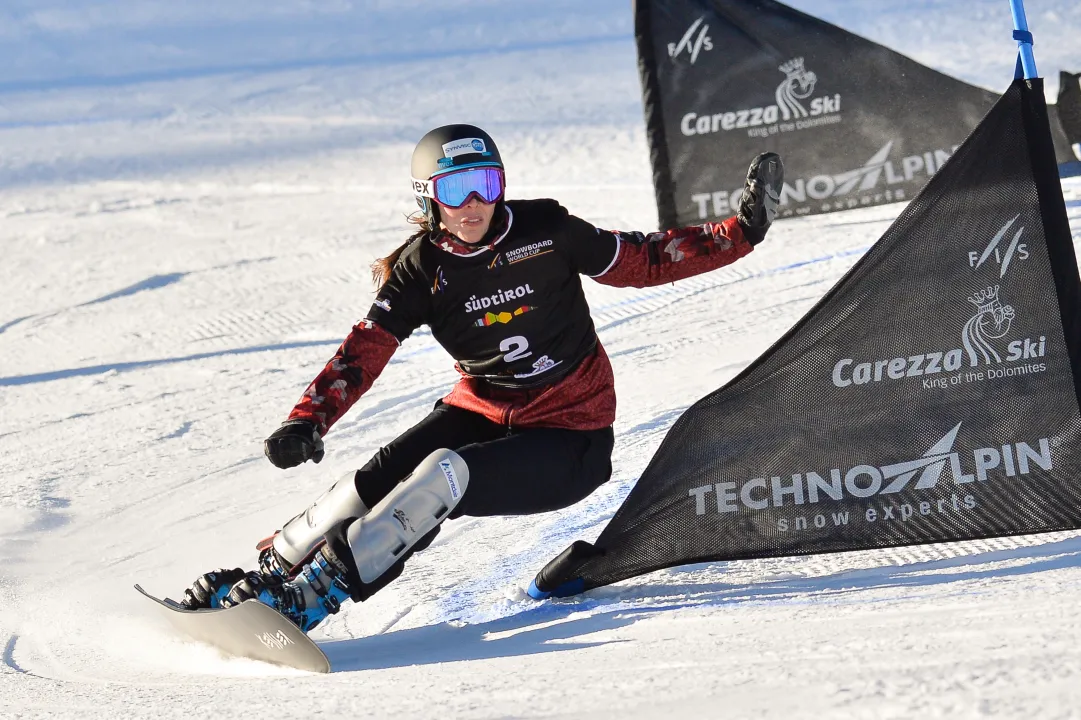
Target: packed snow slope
{"points": [[191, 194]]}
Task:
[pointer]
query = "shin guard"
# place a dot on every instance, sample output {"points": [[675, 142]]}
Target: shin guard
{"points": [[301, 535], [407, 519]]}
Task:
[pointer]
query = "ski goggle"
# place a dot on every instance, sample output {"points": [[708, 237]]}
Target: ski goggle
{"points": [[454, 189]]}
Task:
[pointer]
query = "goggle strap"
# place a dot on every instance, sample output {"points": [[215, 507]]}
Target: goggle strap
{"points": [[424, 188]]}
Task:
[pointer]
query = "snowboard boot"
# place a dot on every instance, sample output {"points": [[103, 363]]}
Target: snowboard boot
{"points": [[317, 591], [271, 563], [208, 591], [761, 196]]}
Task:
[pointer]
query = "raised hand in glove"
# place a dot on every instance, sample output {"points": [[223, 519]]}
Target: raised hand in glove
{"points": [[296, 441]]}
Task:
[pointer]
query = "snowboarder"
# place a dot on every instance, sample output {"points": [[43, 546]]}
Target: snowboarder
{"points": [[527, 428]]}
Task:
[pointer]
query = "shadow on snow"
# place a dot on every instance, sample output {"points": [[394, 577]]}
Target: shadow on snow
{"points": [[141, 364], [529, 633], [1050, 556], [560, 625], [377, 59]]}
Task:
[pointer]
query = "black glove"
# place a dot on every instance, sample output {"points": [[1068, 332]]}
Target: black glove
{"points": [[761, 196], [296, 441]]}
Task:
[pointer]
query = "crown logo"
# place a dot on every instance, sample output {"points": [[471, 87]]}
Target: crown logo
{"points": [[793, 67], [985, 300]]}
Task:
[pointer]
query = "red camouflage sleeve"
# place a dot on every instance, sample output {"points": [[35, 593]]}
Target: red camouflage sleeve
{"points": [[646, 260], [348, 375]]}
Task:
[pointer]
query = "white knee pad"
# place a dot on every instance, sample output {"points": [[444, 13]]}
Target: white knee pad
{"points": [[411, 510], [302, 534]]}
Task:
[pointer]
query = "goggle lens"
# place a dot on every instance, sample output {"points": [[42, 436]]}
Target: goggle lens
{"points": [[455, 189]]}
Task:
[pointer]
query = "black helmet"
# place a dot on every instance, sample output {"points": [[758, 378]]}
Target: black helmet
{"points": [[449, 148]]}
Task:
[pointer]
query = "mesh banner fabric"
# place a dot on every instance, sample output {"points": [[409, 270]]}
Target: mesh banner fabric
{"points": [[1064, 154], [1069, 105], [931, 395], [856, 123]]}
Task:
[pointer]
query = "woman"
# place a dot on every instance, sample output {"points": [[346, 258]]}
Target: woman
{"points": [[527, 428]]}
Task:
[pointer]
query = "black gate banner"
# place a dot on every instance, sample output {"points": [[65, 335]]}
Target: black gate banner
{"points": [[931, 395], [856, 123], [1064, 154], [1061, 116], [1069, 105]]}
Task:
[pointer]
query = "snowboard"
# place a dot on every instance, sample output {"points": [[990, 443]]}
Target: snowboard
{"points": [[249, 630]]}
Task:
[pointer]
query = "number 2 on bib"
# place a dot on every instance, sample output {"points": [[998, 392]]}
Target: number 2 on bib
{"points": [[516, 348]]}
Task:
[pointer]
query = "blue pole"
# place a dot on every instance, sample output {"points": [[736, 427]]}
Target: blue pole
{"points": [[1024, 39]]}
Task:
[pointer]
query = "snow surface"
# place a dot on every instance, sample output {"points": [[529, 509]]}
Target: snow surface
{"points": [[190, 196]]}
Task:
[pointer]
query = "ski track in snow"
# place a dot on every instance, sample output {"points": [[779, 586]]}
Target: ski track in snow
{"points": [[190, 231]]}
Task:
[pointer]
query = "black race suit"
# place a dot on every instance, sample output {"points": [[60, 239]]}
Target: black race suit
{"points": [[532, 414]]}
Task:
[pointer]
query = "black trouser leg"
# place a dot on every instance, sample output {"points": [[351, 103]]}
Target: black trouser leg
{"points": [[534, 470], [530, 471], [445, 427]]}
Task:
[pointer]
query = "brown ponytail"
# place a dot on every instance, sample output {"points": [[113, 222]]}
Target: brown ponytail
{"points": [[381, 268]]}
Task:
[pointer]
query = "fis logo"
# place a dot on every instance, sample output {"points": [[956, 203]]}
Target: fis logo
{"points": [[863, 481], [1015, 249], [691, 42], [439, 284]]}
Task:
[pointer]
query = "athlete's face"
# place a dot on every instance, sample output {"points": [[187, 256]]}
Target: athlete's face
{"points": [[469, 222]]}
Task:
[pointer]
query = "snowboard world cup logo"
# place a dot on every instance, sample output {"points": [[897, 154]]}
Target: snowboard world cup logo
{"points": [[798, 85]]}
